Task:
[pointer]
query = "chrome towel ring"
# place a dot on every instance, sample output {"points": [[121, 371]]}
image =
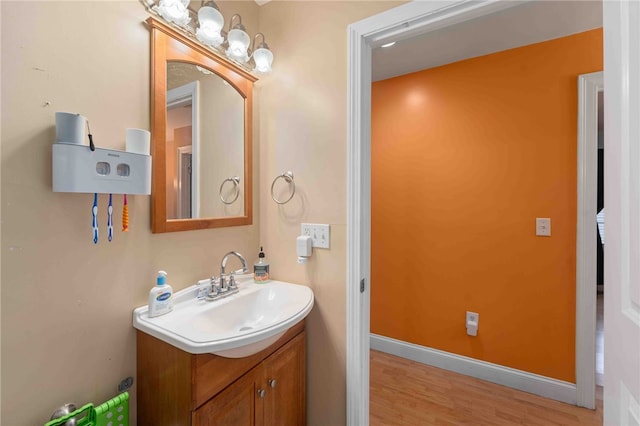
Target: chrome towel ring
{"points": [[236, 183], [288, 177]]}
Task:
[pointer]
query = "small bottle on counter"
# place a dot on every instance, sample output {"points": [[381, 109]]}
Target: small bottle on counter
{"points": [[160, 301], [261, 269]]}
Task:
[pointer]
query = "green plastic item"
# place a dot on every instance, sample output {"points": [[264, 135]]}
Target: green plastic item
{"points": [[87, 411], [114, 412]]}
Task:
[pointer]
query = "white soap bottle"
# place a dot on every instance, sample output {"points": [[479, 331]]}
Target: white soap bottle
{"points": [[160, 301]]}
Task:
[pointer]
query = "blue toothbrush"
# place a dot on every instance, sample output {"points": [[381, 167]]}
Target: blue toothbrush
{"points": [[94, 224], [110, 218]]}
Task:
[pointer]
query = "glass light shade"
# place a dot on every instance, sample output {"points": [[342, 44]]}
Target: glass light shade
{"points": [[175, 11], [263, 59], [238, 45], [211, 22]]}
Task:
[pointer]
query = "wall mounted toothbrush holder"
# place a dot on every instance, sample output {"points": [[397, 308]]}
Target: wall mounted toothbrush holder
{"points": [[106, 171]]}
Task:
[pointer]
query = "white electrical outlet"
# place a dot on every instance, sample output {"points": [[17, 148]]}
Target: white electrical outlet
{"points": [[318, 232], [472, 323]]}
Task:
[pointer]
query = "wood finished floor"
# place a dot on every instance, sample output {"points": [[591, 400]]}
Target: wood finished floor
{"points": [[405, 392]]}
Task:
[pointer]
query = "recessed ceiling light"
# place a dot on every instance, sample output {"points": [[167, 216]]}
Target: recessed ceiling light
{"points": [[388, 44]]}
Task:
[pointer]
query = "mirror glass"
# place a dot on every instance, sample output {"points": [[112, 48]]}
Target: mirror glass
{"points": [[204, 144], [201, 126]]}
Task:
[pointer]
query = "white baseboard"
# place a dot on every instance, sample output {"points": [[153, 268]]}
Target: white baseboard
{"points": [[517, 379]]}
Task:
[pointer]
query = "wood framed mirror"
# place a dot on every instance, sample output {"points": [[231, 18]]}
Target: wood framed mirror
{"points": [[201, 125]]}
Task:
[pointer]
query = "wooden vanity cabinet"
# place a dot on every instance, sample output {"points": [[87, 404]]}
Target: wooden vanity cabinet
{"points": [[178, 388]]}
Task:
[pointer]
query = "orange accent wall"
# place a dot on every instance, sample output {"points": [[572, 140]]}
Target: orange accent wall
{"points": [[464, 158]]}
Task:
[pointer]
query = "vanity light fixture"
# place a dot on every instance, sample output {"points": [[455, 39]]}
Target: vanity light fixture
{"points": [[262, 56], [175, 11], [238, 40], [211, 23], [206, 26]]}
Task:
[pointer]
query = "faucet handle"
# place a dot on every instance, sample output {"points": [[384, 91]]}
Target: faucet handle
{"points": [[215, 287], [232, 281], [223, 283]]}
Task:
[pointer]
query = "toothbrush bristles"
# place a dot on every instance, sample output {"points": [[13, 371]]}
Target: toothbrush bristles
{"points": [[125, 215]]}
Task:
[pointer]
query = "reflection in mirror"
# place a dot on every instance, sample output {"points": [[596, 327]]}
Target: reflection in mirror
{"points": [[201, 109], [205, 143]]}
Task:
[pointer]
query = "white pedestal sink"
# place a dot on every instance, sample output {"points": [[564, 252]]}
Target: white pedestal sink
{"points": [[234, 327]]}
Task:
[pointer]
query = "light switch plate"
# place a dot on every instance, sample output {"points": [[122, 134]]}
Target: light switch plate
{"points": [[318, 232], [543, 226]]}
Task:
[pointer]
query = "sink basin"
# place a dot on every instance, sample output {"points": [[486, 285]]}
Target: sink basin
{"points": [[234, 327]]}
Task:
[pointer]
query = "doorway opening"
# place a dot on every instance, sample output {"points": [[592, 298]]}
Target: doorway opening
{"points": [[185, 195], [406, 21], [600, 247]]}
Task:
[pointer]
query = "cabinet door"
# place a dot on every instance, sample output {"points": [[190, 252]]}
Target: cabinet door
{"points": [[285, 401], [238, 405]]}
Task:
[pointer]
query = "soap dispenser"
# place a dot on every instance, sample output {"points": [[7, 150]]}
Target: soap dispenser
{"points": [[261, 269], [160, 301]]}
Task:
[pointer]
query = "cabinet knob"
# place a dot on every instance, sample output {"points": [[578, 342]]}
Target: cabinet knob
{"points": [[272, 383], [262, 393]]}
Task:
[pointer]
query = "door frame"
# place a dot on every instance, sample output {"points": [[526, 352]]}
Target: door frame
{"points": [[399, 23], [182, 96], [589, 85]]}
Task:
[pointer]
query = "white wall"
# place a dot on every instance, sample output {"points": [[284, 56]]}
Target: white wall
{"points": [[67, 303], [222, 142]]}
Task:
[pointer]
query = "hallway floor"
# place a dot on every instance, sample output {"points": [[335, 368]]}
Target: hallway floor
{"points": [[405, 392]]}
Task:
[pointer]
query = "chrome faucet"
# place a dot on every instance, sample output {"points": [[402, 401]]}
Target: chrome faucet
{"points": [[227, 287], [217, 288], [223, 264]]}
